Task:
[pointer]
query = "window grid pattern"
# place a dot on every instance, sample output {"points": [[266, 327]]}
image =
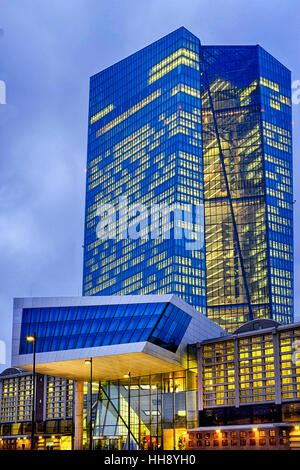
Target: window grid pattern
{"points": [[289, 367], [16, 402], [182, 123], [247, 168], [255, 371], [147, 148], [162, 408], [262, 438], [59, 398], [235, 212], [219, 374], [258, 368]]}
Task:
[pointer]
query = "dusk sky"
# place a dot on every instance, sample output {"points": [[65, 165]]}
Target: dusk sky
{"points": [[48, 51]]}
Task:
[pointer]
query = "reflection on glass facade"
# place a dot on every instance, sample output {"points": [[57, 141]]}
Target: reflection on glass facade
{"points": [[63, 328], [178, 122], [16, 397], [246, 129], [162, 408]]}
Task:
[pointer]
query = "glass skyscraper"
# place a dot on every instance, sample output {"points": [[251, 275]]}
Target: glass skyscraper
{"points": [[179, 124], [247, 157]]}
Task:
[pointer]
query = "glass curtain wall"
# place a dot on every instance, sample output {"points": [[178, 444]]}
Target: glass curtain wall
{"points": [[162, 408], [235, 208]]}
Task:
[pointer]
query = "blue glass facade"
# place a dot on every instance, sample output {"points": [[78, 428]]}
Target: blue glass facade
{"points": [[64, 328], [181, 123], [275, 89], [145, 144], [246, 129]]}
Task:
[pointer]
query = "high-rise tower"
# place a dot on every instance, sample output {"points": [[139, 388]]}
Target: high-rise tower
{"points": [[201, 128], [247, 155]]}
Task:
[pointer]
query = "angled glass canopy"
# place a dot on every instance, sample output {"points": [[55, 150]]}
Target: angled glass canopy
{"points": [[75, 327]]}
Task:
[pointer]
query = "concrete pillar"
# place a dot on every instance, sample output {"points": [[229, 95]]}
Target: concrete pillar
{"points": [[78, 415]]}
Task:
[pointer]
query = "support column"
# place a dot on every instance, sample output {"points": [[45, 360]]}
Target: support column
{"points": [[78, 415]]}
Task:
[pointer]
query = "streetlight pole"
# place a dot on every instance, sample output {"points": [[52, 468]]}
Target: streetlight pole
{"points": [[90, 361], [91, 407], [129, 386], [32, 339]]}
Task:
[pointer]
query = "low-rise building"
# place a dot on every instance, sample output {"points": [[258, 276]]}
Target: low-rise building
{"points": [[249, 388], [53, 411], [164, 376]]}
